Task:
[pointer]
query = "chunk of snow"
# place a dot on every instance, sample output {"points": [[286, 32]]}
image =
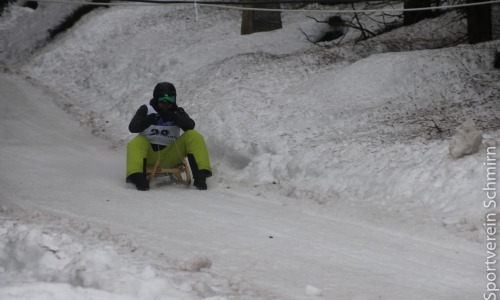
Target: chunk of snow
{"points": [[198, 263], [313, 291], [467, 139]]}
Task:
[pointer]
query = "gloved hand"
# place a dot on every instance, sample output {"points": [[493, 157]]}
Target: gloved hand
{"points": [[168, 116], [151, 119]]}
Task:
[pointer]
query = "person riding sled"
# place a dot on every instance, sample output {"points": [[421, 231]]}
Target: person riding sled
{"points": [[159, 125]]}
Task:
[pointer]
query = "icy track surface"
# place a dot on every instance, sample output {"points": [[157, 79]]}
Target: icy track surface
{"points": [[72, 229]]}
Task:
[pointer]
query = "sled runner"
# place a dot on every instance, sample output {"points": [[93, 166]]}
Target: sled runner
{"points": [[181, 172]]}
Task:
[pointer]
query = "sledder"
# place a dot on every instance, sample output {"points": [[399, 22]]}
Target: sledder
{"points": [[160, 142]]}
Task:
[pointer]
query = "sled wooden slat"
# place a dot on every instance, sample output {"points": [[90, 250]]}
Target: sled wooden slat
{"points": [[177, 172]]}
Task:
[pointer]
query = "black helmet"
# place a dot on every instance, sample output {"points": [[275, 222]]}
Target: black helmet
{"points": [[165, 89]]}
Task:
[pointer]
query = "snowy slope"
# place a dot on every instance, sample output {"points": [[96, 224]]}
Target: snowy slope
{"points": [[79, 216], [330, 179]]}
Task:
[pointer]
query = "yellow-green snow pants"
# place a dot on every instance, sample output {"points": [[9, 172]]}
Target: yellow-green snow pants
{"points": [[190, 142]]}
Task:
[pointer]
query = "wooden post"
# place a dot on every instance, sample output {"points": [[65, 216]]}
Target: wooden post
{"points": [[247, 20]]}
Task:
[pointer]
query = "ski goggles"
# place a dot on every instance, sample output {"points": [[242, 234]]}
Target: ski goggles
{"points": [[166, 99]]}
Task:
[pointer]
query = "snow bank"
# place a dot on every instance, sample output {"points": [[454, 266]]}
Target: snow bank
{"points": [[18, 44], [38, 262]]}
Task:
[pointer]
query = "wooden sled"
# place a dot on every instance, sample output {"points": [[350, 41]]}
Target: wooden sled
{"points": [[181, 173]]}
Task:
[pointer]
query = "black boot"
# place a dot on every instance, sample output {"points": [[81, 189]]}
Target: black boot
{"points": [[200, 179], [140, 181], [199, 176]]}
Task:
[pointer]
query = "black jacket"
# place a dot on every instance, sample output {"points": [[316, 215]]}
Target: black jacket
{"points": [[176, 114]]}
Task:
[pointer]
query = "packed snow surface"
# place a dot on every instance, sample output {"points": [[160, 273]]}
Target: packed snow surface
{"points": [[334, 168]]}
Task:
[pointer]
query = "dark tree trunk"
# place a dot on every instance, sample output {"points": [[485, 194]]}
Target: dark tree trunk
{"points": [[479, 22], [257, 21], [411, 17]]}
